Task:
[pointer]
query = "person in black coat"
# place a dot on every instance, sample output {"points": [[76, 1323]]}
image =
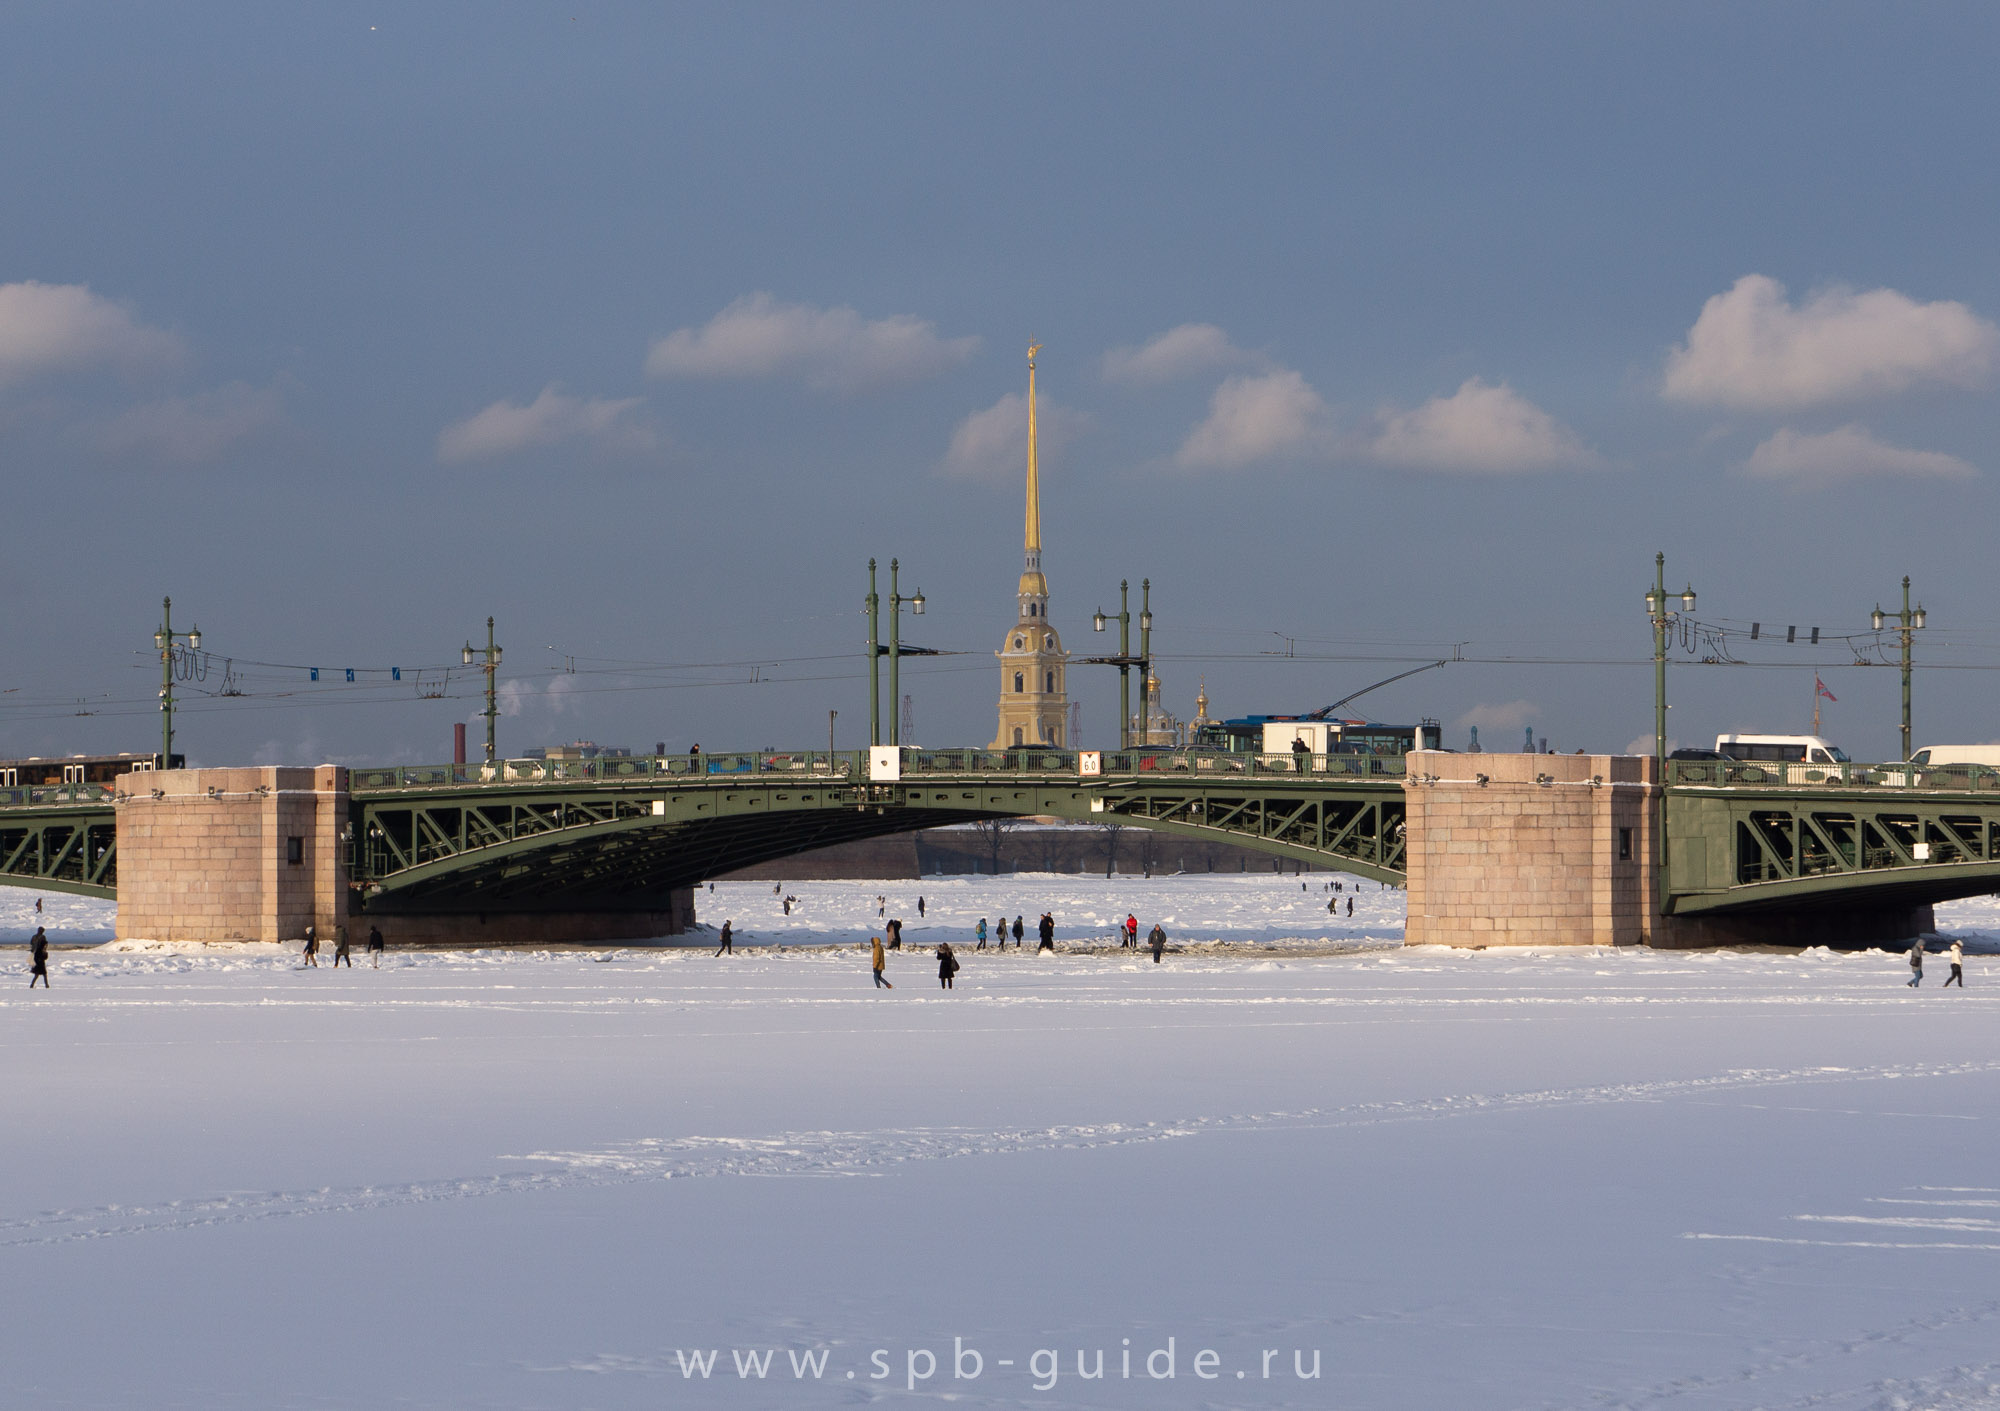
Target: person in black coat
{"points": [[1017, 933], [1157, 937], [38, 955], [947, 964], [1048, 933], [375, 946], [728, 946]]}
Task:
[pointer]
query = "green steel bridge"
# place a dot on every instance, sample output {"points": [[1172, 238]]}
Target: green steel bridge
{"points": [[621, 833]]}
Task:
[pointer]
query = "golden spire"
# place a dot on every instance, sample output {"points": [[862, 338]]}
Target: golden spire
{"points": [[1033, 542], [1032, 582]]}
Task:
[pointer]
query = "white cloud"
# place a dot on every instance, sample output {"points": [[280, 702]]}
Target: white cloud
{"points": [[832, 349], [1506, 715], [1751, 348], [993, 444], [196, 428], [1480, 429], [505, 427], [1253, 417], [49, 328], [1850, 453], [1190, 348]]}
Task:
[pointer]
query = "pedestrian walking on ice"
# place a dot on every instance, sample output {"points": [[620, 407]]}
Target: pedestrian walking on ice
{"points": [[1017, 933], [375, 947], [920, 908], [1350, 906], [38, 959], [1131, 936], [312, 947], [1956, 955], [728, 946], [340, 951], [1158, 938], [1048, 933], [1917, 963], [980, 932], [881, 963], [947, 964]]}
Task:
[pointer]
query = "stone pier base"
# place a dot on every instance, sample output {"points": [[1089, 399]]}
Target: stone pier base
{"points": [[231, 854], [1530, 849]]}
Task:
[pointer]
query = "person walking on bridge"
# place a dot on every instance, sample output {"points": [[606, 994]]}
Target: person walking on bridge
{"points": [[881, 964], [38, 959], [1300, 749], [1917, 963], [1956, 955], [728, 946]]}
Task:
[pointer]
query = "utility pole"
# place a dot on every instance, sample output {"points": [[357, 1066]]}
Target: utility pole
{"points": [[164, 639], [492, 662], [874, 607], [1907, 622], [829, 735]]}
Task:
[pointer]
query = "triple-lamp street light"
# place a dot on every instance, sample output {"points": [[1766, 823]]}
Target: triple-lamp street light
{"points": [[1662, 619], [164, 639], [895, 651], [1907, 622], [1125, 661], [492, 655]]}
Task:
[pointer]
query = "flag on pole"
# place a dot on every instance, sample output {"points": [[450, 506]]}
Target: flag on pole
{"points": [[1819, 689]]}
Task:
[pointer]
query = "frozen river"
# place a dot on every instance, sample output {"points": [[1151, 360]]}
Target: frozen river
{"points": [[1537, 1179]]}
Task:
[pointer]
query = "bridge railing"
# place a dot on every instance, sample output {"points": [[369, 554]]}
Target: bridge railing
{"points": [[45, 795], [1725, 773], [826, 765]]}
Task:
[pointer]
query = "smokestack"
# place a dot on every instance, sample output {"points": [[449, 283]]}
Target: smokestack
{"points": [[458, 743]]}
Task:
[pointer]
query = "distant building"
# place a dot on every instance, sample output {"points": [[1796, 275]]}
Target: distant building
{"points": [[1154, 725], [577, 749], [1034, 704]]}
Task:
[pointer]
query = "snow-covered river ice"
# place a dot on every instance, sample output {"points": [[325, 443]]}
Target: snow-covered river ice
{"points": [[1441, 1180]]}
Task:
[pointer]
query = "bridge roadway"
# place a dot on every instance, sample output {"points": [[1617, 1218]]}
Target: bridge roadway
{"points": [[611, 834]]}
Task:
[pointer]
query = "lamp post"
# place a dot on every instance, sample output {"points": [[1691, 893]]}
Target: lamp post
{"points": [[895, 650], [896, 602], [1662, 619], [1125, 661], [1907, 622], [492, 655], [164, 639]]}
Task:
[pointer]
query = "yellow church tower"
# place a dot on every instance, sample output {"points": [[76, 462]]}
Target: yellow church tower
{"points": [[1034, 705]]}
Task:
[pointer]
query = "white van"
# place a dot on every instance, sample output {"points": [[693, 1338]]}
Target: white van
{"points": [[1805, 759], [1988, 755]]}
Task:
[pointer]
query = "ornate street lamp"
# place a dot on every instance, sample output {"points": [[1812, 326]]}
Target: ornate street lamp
{"points": [[165, 639]]}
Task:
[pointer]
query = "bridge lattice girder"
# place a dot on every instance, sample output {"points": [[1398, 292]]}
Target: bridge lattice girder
{"points": [[69, 846], [511, 847], [1740, 848]]}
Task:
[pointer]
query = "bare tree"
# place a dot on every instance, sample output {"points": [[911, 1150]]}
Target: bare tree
{"points": [[1149, 850], [1111, 832], [992, 833]]}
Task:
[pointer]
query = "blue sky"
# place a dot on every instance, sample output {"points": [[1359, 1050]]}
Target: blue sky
{"points": [[642, 329]]}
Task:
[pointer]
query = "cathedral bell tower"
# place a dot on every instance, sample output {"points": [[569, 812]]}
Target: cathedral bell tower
{"points": [[1034, 704]]}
